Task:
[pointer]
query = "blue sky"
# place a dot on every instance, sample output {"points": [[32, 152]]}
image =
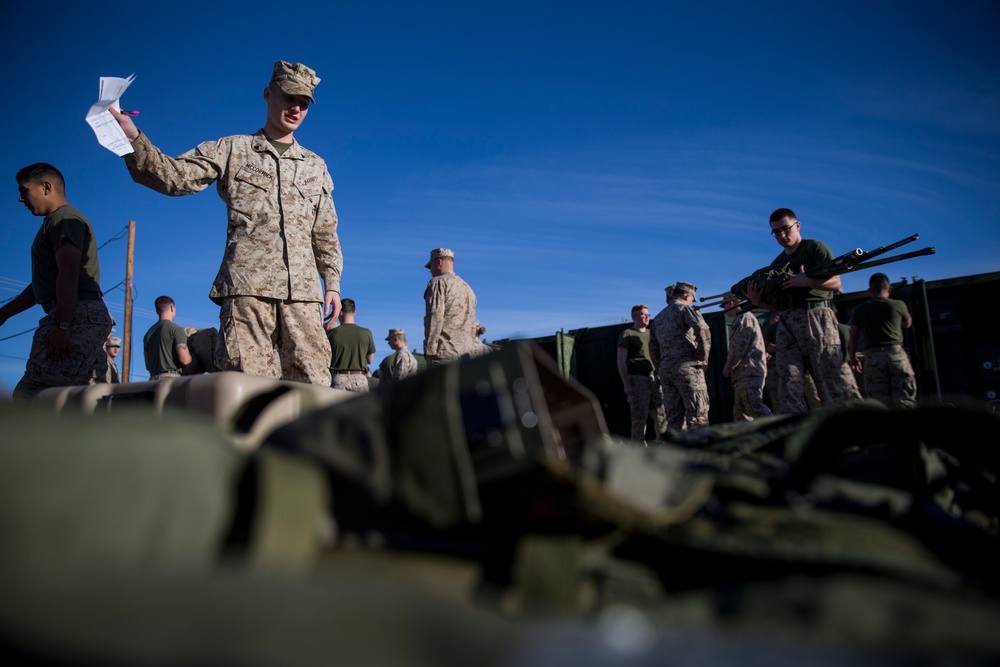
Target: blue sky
{"points": [[577, 157]]}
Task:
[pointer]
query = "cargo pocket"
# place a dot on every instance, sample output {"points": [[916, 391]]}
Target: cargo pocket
{"points": [[226, 353]]}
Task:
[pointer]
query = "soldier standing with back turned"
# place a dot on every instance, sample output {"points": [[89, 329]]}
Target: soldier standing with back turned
{"points": [[887, 372], [679, 344], [746, 362], [450, 326]]}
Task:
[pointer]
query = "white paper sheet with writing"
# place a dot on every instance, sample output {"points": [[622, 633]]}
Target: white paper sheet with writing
{"points": [[109, 132]]}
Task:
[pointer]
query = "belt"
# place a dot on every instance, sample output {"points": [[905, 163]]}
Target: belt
{"points": [[809, 305], [49, 306], [883, 346], [165, 374], [348, 372]]}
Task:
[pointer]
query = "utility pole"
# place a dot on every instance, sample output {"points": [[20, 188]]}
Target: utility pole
{"points": [[126, 375]]}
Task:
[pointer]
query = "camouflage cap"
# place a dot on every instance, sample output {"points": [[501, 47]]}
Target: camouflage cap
{"points": [[685, 287], [113, 342], [295, 79], [438, 253], [395, 332]]}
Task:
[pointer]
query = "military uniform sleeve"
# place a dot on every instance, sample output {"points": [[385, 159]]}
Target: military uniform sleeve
{"points": [[701, 332], [326, 242], [186, 174], [435, 298], [403, 366]]}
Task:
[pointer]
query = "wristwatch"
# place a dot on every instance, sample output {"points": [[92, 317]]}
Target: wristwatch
{"points": [[63, 325]]}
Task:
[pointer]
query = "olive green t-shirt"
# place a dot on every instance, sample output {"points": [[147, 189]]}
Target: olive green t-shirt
{"points": [[810, 254], [880, 320], [66, 223], [350, 346], [636, 344]]}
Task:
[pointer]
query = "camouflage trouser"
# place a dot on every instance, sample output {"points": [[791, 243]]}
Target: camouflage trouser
{"points": [[685, 396], [86, 360], [849, 383], [889, 376], [749, 398], [273, 339], [477, 349], [808, 342], [356, 382], [646, 401]]}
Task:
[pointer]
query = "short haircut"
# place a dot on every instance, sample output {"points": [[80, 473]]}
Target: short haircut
{"points": [[781, 214], [162, 303], [400, 336], [637, 307], [879, 282], [42, 171], [347, 306]]}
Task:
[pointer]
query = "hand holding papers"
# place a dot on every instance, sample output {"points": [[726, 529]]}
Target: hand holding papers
{"points": [[109, 132]]}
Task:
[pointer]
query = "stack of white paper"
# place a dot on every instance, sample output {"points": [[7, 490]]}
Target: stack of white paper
{"points": [[109, 132]]}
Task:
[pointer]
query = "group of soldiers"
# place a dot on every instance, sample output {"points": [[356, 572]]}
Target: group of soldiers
{"points": [[451, 331], [278, 285], [662, 362]]}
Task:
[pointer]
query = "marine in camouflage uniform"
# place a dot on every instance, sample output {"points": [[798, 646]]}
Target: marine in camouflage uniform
{"points": [[679, 344], [450, 324], [746, 364], [282, 236], [400, 364], [113, 346], [887, 372], [68, 346], [807, 339], [639, 379]]}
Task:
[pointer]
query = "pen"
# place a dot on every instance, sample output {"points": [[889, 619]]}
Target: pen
{"points": [[126, 112]]}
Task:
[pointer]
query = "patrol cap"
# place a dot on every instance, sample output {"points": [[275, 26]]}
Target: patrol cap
{"points": [[113, 342], [685, 287], [395, 332], [438, 253], [295, 79]]}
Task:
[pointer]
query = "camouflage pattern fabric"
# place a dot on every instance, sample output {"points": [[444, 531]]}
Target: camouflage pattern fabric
{"points": [[450, 323], [888, 375], [114, 375], [646, 402], [746, 356], [851, 535], [679, 344], [251, 340], [404, 364], [685, 396], [354, 382], [849, 384], [85, 362], [808, 342], [282, 221], [747, 367]]}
